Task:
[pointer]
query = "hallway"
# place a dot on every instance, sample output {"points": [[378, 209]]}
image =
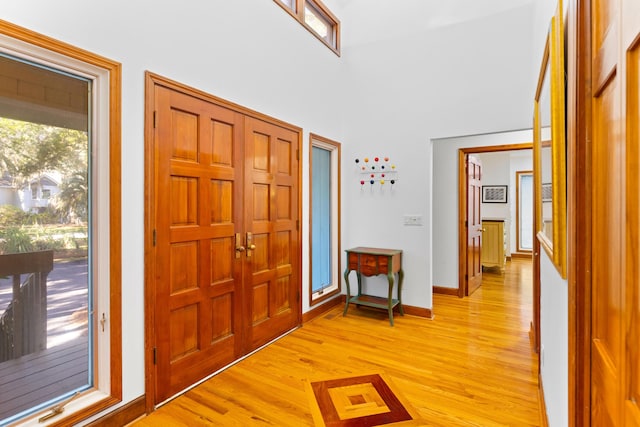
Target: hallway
{"points": [[472, 365]]}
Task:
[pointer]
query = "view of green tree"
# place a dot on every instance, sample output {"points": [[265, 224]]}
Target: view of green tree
{"points": [[72, 199], [29, 150]]}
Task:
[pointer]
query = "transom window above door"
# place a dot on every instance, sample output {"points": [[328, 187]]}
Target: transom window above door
{"points": [[317, 18]]}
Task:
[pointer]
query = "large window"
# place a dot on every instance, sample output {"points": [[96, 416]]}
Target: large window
{"points": [[316, 18], [60, 252], [324, 218]]}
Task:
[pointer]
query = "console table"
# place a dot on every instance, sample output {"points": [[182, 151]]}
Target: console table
{"points": [[371, 262]]}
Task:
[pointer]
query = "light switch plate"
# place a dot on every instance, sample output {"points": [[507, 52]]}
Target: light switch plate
{"points": [[412, 219]]}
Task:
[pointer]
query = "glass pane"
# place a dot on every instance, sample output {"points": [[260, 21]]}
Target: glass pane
{"points": [[291, 4], [546, 156], [44, 237], [526, 212], [319, 23], [321, 219]]}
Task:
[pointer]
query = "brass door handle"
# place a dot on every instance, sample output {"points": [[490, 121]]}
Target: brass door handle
{"points": [[239, 247], [250, 245]]}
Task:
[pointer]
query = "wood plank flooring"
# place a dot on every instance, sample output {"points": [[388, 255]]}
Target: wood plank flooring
{"points": [[472, 365]]}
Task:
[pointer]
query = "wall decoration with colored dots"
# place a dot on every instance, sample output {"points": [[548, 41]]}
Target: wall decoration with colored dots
{"points": [[376, 171]]}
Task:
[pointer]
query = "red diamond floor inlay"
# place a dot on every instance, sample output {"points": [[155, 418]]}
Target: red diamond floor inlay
{"points": [[360, 401]]}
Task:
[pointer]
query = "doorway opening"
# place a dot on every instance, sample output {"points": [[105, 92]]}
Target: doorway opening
{"points": [[463, 247]]}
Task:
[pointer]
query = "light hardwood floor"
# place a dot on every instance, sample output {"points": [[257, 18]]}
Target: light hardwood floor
{"points": [[472, 365]]}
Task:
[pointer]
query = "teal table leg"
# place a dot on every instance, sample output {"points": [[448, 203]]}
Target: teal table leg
{"points": [[390, 299], [400, 278], [346, 279]]}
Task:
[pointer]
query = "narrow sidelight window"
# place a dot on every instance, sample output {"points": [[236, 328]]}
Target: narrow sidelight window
{"points": [[324, 218], [524, 229]]}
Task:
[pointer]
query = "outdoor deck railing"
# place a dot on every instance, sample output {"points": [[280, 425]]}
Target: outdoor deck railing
{"points": [[23, 326]]}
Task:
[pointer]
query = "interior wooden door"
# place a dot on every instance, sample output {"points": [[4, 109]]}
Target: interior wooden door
{"points": [[271, 218], [630, 59], [198, 272], [474, 224], [615, 374]]}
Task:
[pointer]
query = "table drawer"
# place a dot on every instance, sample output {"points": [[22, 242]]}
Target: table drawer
{"points": [[373, 264]]}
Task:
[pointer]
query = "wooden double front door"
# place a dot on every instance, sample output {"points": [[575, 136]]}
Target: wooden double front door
{"points": [[225, 240]]}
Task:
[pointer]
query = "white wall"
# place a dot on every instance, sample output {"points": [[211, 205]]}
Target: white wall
{"points": [[499, 168], [445, 198], [391, 94], [495, 171], [554, 343], [405, 90], [251, 52]]}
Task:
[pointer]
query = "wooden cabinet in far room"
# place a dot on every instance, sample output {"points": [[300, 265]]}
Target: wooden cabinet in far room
{"points": [[494, 242]]}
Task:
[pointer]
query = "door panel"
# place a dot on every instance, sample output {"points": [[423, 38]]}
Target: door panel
{"points": [[198, 276], [631, 378], [474, 224], [615, 374], [271, 214], [606, 333]]}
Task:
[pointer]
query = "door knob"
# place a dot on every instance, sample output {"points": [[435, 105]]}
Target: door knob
{"points": [[239, 247]]}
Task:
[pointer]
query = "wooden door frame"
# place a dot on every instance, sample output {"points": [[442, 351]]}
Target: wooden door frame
{"points": [[472, 276], [579, 173], [151, 81], [462, 203]]}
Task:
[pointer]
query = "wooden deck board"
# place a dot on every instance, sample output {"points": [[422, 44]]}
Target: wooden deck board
{"points": [[41, 376]]}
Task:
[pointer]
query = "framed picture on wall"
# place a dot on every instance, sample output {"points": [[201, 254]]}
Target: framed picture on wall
{"points": [[494, 194], [547, 192]]}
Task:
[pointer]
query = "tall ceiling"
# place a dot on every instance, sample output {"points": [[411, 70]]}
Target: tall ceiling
{"points": [[365, 21]]}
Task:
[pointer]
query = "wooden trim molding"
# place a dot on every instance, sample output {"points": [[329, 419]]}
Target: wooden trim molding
{"points": [[579, 202], [323, 308], [521, 255], [445, 291], [544, 419], [115, 225], [462, 229], [336, 148], [418, 311], [494, 148], [123, 415], [319, 311], [462, 203]]}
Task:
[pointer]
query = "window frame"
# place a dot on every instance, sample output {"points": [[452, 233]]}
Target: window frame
{"points": [[519, 175], [335, 150], [106, 133], [321, 12]]}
